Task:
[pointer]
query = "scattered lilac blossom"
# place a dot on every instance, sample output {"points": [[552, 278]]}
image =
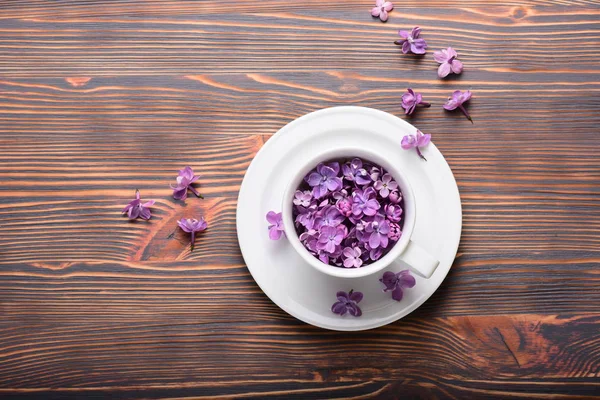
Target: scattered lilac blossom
{"points": [[347, 303], [276, 225], [411, 42], [136, 209], [397, 282], [381, 9], [356, 219], [456, 100], [416, 141], [184, 182], [192, 226], [447, 58], [410, 101]]}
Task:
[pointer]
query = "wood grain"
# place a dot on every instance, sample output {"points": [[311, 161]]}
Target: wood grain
{"points": [[100, 98]]}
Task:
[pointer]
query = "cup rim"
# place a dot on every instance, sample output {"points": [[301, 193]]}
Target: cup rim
{"points": [[409, 212]]}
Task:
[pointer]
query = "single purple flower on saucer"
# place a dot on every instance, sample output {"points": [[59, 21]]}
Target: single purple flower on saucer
{"points": [[276, 225], [324, 180], [137, 209], [184, 182], [352, 257], [396, 282], [447, 58], [347, 303], [192, 226], [416, 141], [456, 101], [411, 42], [410, 101]]}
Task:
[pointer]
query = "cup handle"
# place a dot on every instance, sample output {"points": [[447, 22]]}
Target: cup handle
{"points": [[419, 260]]}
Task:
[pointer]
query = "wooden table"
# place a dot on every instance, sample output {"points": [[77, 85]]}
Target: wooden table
{"points": [[100, 98]]}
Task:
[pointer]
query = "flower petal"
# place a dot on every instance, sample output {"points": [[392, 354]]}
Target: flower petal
{"points": [[272, 217], [338, 308], [440, 57], [149, 203], [405, 47], [451, 53], [356, 297], [456, 66], [383, 16], [134, 212], [342, 295], [375, 11], [424, 140], [145, 213], [406, 280], [314, 179], [274, 233], [397, 293], [180, 193], [388, 6]]}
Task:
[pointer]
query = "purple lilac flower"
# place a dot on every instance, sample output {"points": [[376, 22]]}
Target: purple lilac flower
{"points": [[345, 207], [276, 225], [192, 226], [393, 212], [395, 232], [303, 198], [411, 42], [381, 9], [385, 185], [410, 101], [184, 182], [137, 209], [378, 230], [447, 58], [347, 303], [395, 197], [309, 239], [352, 257], [331, 237], [456, 101], [354, 172], [329, 216], [396, 282], [324, 180], [363, 202], [416, 141]]}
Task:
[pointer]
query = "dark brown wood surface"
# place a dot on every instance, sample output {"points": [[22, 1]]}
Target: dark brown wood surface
{"points": [[99, 98]]}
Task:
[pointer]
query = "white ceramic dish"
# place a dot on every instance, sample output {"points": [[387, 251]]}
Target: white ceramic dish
{"points": [[286, 277]]}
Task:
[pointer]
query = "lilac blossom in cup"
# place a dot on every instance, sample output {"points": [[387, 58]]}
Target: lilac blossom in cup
{"points": [[192, 226], [275, 221], [347, 303], [411, 42], [352, 257], [412, 99], [415, 141], [356, 220], [136, 209], [381, 9], [325, 180], [397, 282], [456, 100], [447, 58], [385, 185]]}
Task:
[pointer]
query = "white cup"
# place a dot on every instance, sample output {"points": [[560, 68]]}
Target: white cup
{"points": [[406, 250]]}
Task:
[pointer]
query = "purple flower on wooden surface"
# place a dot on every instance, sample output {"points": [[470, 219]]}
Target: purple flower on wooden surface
{"points": [[456, 100], [192, 226], [137, 209], [447, 58], [410, 101], [325, 179], [275, 221], [385, 185], [184, 182], [381, 9], [347, 303], [352, 257], [416, 141], [397, 282], [411, 42]]}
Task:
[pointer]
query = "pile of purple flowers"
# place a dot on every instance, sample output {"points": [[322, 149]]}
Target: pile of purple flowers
{"points": [[348, 213]]}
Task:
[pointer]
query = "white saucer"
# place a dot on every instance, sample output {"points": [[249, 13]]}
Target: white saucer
{"points": [[284, 276]]}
